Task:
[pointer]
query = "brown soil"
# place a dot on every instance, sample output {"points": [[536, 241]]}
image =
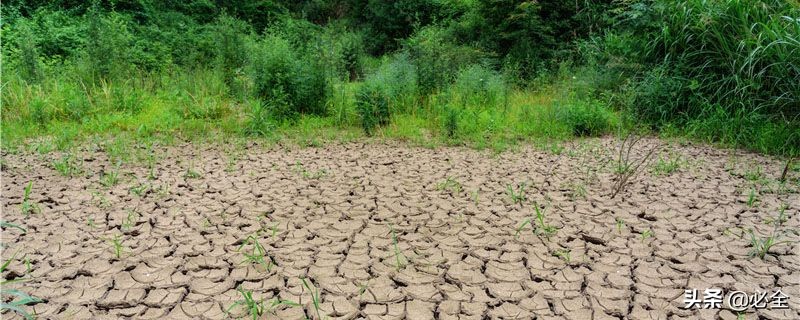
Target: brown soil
{"points": [[330, 218]]}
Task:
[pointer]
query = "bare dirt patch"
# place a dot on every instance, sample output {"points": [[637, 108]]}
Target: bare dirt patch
{"points": [[390, 231]]}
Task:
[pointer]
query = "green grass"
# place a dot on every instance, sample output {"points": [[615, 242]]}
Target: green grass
{"points": [[450, 185], [110, 178], [67, 166], [28, 206], [517, 194], [399, 259], [257, 308], [117, 246], [646, 234], [315, 298], [538, 223], [257, 254]]}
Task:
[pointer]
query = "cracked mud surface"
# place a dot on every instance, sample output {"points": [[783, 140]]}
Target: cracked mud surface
{"points": [[329, 214]]}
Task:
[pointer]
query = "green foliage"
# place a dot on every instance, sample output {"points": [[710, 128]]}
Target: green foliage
{"points": [[437, 59], [107, 53], [230, 36], [27, 54], [372, 105], [481, 87], [586, 117], [298, 84]]}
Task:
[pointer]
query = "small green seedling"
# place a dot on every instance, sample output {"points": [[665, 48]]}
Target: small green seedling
{"points": [[398, 255], [564, 254], [314, 296], [541, 227], [90, 223], [28, 206], [578, 191], [140, 190], [620, 224], [752, 198], [363, 288], [191, 174], [130, 220], [647, 234], [116, 244], [4, 224], [257, 254], [12, 299], [517, 196], [315, 175], [475, 196], [255, 309], [781, 219], [450, 184]]}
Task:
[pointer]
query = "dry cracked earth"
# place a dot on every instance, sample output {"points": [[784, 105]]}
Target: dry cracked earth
{"points": [[389, 231]]}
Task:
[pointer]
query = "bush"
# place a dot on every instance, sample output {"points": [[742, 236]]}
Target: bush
{"points": [[27, 53], [437, 59], [231, 56], [586, 117], [372, 105], [108, 51], [478, 86], [298, 83]]}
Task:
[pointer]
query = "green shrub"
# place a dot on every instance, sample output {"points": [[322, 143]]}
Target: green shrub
{"points": [[478, 86], [437, 59], [451, 121], [27, 53], [231, 57], [586, 117], [299, 83], [372, 105], [108, 51]]}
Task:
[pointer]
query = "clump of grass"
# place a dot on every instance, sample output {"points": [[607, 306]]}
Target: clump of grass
{"points": [[315, 175], [110, 178], [191, 173], [27, 207], [667, 165], [256, 308], [140, 189], [257, 254], [450, 184], [517, 195], [67, 166], [627, 166], [577, 190], [754, 173], [586, 117], [563, 254], [761, 246], [539, 225], [451, 122], [90, 223]]}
